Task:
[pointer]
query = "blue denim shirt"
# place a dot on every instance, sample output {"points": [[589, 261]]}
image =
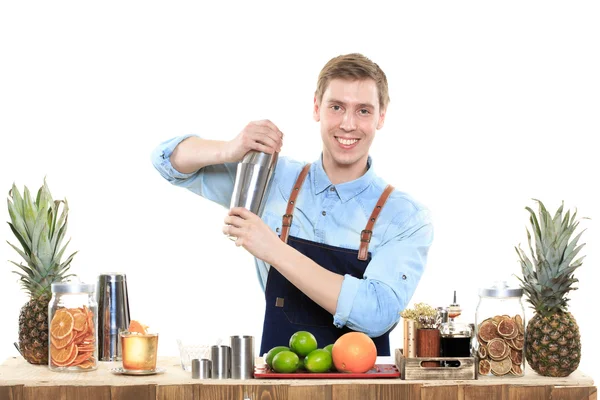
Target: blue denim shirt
{"points": [[334, 215]]}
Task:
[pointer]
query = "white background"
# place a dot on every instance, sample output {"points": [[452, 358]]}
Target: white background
{"points": [[493, 104]]}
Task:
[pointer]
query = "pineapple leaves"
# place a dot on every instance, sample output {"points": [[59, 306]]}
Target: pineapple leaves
{"points": [[40, 226], [548, 276]]}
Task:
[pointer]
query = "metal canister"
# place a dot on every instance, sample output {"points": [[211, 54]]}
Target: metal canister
{"points": [[242, 357], [221, 362]]}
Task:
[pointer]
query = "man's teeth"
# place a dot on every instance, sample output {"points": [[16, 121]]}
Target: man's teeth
{"points": [[347, 141]]}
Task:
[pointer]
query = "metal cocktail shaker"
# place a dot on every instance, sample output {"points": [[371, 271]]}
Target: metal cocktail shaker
{"points": [[113, 314], [252, 181]]}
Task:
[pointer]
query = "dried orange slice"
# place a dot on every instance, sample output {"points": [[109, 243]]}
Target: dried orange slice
{"points": [[61, 343], [516, 369], [136, 327], [497, 349], [86, 364], [516, 356], [81, 357], [502, 367], [507, 328], [67, 362], [80, 323], [518, 342], [62, 355], [487, 331], [482, 351], [62, 324], [519, 322], [484, 367]]}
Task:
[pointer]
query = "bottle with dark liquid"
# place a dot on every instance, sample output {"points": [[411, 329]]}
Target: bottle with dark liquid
{"points": [[455, 336]]}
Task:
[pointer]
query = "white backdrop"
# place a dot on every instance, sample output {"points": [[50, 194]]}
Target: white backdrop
{"points": [[492, 105]]}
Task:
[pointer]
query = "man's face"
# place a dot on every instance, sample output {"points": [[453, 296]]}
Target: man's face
{"points": [[349, 114]]}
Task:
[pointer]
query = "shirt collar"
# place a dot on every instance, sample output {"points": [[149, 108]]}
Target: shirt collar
{"points": [[346, 190]]}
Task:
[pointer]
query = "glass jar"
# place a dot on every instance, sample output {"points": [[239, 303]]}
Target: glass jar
{"points": [[500, 331], [455, 341], [72, 322]]}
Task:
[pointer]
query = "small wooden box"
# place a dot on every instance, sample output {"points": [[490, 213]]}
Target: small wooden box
{"points": [[411, 369]]}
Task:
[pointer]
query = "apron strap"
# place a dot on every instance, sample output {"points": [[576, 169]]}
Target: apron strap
{"points": [[289, 211], [365, 235]]}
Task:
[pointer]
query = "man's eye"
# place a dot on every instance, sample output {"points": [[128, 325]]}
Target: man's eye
{"points": [[336, 108], [364, 111]]}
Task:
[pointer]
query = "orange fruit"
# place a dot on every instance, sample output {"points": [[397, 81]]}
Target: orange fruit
{"points": [[136, 327], [354, 352], [62, 324]]}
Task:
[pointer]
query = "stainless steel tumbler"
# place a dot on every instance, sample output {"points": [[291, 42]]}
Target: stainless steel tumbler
{"points": [[242, 357], [113, 314], [201, 369], [221, 362], [252, 181]]}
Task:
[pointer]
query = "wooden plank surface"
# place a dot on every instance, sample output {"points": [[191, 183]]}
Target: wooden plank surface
{"points": [[16, 371], [309, 392]]}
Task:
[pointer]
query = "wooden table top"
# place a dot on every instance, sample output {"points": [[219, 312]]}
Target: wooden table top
{"points": [[16, 371]]}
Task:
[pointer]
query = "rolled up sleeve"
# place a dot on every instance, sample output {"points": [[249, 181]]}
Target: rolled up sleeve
{"points": [[373, 304], [213, 182]]}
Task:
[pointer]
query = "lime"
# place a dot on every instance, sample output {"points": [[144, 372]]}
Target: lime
{"points": [[329, 348], [302, 343], [273, 352], [318, 361], [286, 361]]}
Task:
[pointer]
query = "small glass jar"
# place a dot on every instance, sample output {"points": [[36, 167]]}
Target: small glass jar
{"points": [[500, 331], [455, 341], [72, 325]]}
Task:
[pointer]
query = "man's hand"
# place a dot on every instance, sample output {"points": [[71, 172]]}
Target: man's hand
{"points": [[257, 135], [251, 233]]}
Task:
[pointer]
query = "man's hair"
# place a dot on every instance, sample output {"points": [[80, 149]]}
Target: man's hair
{"points": [[352, 67]]}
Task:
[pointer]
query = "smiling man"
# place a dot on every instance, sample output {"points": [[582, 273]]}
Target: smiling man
{"points": [[337, 249]]}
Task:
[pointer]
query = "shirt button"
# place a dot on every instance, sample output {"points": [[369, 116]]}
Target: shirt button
{"points": [[332, 188], [324, 213], [404, 277], [277, 230]]}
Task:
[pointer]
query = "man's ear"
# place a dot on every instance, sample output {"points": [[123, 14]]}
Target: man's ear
{"points": [[381, 119], [316, 110]]}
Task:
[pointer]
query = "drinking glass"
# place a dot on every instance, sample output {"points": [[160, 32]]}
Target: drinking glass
{"points": [[139, 351]]}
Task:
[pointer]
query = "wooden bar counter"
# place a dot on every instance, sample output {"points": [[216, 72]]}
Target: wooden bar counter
{"points": [[22, 381]]}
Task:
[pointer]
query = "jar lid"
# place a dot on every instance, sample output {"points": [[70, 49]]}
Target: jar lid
{"points": [[500, 289], [68, 287]]}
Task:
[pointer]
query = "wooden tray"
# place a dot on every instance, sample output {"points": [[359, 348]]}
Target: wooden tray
{"points": [[412, 369], [379, 371]]}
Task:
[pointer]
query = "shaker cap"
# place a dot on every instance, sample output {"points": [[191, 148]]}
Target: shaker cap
{"points": [[500, 289], [69, 287]]}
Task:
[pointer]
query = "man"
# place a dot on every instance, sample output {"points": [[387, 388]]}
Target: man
{"points": [[336, 249]]}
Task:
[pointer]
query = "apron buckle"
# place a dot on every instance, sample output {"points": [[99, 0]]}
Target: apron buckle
{"points": [[287, 220]]}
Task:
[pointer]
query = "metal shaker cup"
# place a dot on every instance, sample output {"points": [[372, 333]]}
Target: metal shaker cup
{"points": [[252, 181], [113, 314]]}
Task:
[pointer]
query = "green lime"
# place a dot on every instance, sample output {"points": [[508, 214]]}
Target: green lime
{"points": [[302, 343], [329, 348], [273, 352], [318, 361], [286, 361]]}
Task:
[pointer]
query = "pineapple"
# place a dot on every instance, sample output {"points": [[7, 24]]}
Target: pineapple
{"points": [[552, 341], [40, 231]]}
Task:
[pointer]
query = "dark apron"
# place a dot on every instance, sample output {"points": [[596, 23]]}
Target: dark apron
{"points": [[289, 310]]}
